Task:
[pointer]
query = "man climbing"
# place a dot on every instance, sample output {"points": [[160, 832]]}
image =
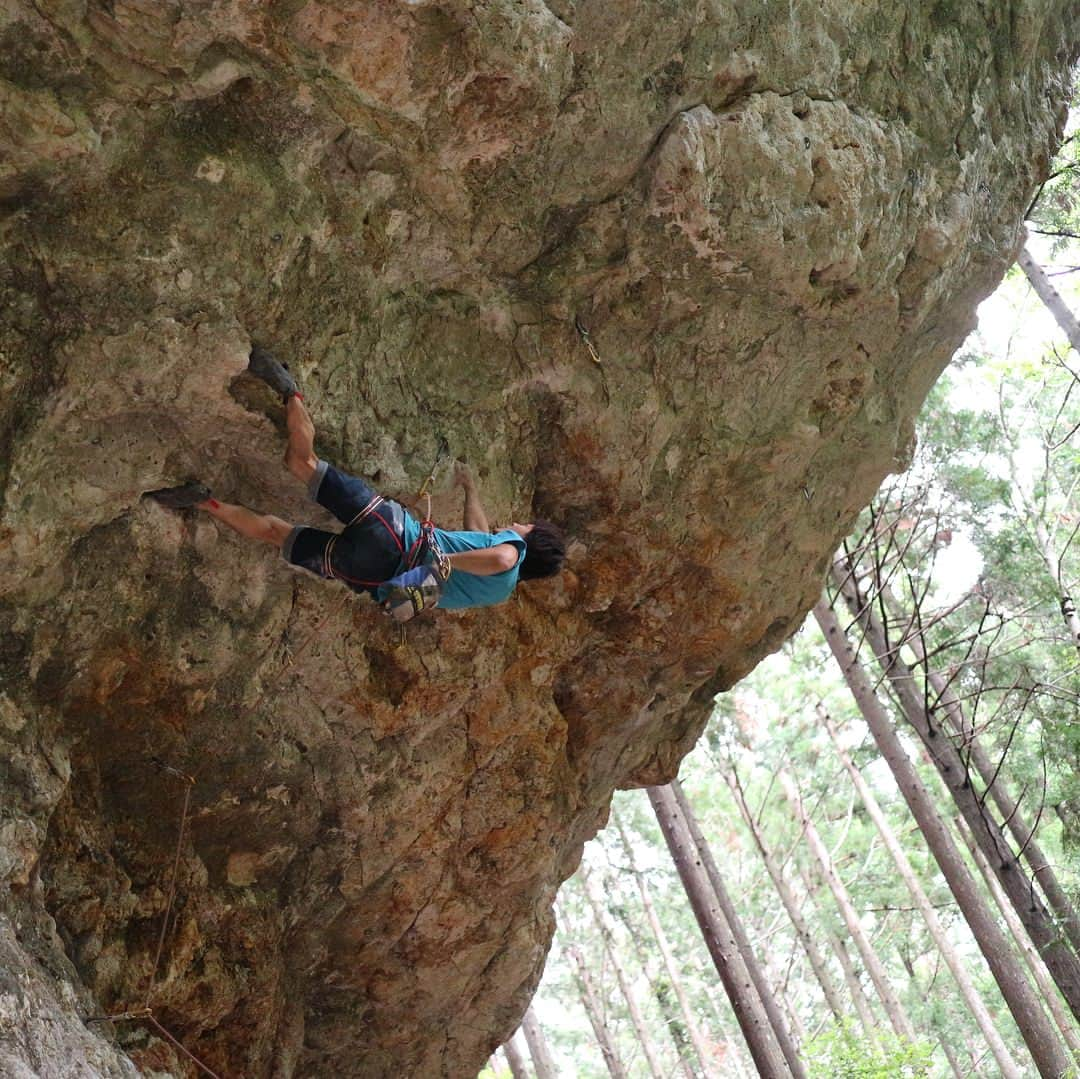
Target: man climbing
{"points": [[383, 550]]}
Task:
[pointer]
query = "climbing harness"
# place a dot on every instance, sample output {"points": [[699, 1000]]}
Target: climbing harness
{"points": [[427, 566]]}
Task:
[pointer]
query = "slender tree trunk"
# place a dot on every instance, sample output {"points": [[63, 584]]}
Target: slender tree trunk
{"points": [[1062, 962], [673, 972], [1045, 1047], [1007, 1066], [679, 1040], [954, 1065], [607, 931], [732, 1064], [1050, 993], [596, 1014], [1044, 547], [1040, 866], [729, 1048], [1050, 296], [791, 905], [745, 1002], [1041, 869], [897, 1016], [515, 1057], [538, 1047], [742, 941], [791, 1014], [859, 997]]}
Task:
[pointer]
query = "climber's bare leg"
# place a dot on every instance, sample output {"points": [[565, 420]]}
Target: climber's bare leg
{"points": [[263, 527], [300, 457]]}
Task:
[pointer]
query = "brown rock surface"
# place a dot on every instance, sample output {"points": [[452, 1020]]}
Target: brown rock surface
{"points": [[775, 221]]}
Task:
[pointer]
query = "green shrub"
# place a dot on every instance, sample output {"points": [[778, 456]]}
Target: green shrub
{"points": [[842, 1052]]}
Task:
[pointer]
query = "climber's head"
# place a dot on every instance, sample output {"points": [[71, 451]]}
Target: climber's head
{"points": [[545, 549]]}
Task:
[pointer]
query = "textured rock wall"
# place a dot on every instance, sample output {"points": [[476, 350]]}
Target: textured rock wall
{"points": [[775, 220]]}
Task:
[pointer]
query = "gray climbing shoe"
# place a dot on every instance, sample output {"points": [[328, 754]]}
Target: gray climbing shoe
{"points": [[181, 498], [262, 365]]}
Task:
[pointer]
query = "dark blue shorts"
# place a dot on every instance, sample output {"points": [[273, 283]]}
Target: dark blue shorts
{"points": [[368, 551]]}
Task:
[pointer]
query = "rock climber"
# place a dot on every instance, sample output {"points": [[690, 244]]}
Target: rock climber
{"points": [[383, 550]]}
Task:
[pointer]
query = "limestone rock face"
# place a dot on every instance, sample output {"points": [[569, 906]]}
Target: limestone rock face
{"points": [[773, 223]]}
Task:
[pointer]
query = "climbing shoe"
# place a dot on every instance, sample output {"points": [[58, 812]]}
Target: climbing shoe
{"points": [[262, 365], [181, 498]]}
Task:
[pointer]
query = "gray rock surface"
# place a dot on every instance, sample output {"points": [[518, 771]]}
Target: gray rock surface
{"points": [[775, 222]]}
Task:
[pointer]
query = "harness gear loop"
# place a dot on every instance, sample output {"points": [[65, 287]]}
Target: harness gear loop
{"points": [[441, 453], [587, 340], [408, 597]]}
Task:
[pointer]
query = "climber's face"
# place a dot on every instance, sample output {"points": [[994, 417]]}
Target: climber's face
{"points": [[521, 530]]}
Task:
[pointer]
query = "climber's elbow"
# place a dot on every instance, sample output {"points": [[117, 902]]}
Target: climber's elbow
{"points": [[508, 556]]}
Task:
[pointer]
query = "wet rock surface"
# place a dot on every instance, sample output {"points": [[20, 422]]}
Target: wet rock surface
{"points": [[774, 224]]}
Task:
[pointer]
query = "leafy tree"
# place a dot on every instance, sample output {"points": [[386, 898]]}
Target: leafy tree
{"points": [[1055, 210], [842, 1052]]}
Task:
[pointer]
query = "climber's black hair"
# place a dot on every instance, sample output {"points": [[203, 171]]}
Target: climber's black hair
{"points": [[545, 549]]}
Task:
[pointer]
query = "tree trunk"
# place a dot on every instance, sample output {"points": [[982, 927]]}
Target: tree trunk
{"points": [[748, 1009], [1050, 993], [515, 1057], [1044, 547], [1041, 868], [1062, 962], [1049, 295], [596, 1014], [1046, 1049], [791, 905], [679, 1038], [954, 1065], [604, 924], [673, 973], [897, 1016], [742, 942], [731, 1061], [859, 998], [538, 1047], [728, 1051], [1008, 1067], [1070, 326]]}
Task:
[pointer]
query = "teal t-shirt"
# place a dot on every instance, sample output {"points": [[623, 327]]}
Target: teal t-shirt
{"points": [[467, 589], [471, 589]]}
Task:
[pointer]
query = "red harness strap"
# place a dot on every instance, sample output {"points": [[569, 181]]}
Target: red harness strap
{"points": [[413, 557]]}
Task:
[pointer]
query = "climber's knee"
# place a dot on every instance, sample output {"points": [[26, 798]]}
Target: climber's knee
{"points": [[301, 465], [275, 531]]}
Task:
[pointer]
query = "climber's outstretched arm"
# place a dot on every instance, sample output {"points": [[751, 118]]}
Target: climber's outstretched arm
{"points": [[257, 526], [487, 561], [474, 518]]}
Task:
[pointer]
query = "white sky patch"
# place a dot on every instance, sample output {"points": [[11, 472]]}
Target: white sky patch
{"points": [[1014, 327], [956, 569], [1012, 321]]}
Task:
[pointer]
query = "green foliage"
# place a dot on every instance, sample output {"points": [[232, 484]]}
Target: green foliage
{"points": [[842, 1052], [1056, 209]]}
